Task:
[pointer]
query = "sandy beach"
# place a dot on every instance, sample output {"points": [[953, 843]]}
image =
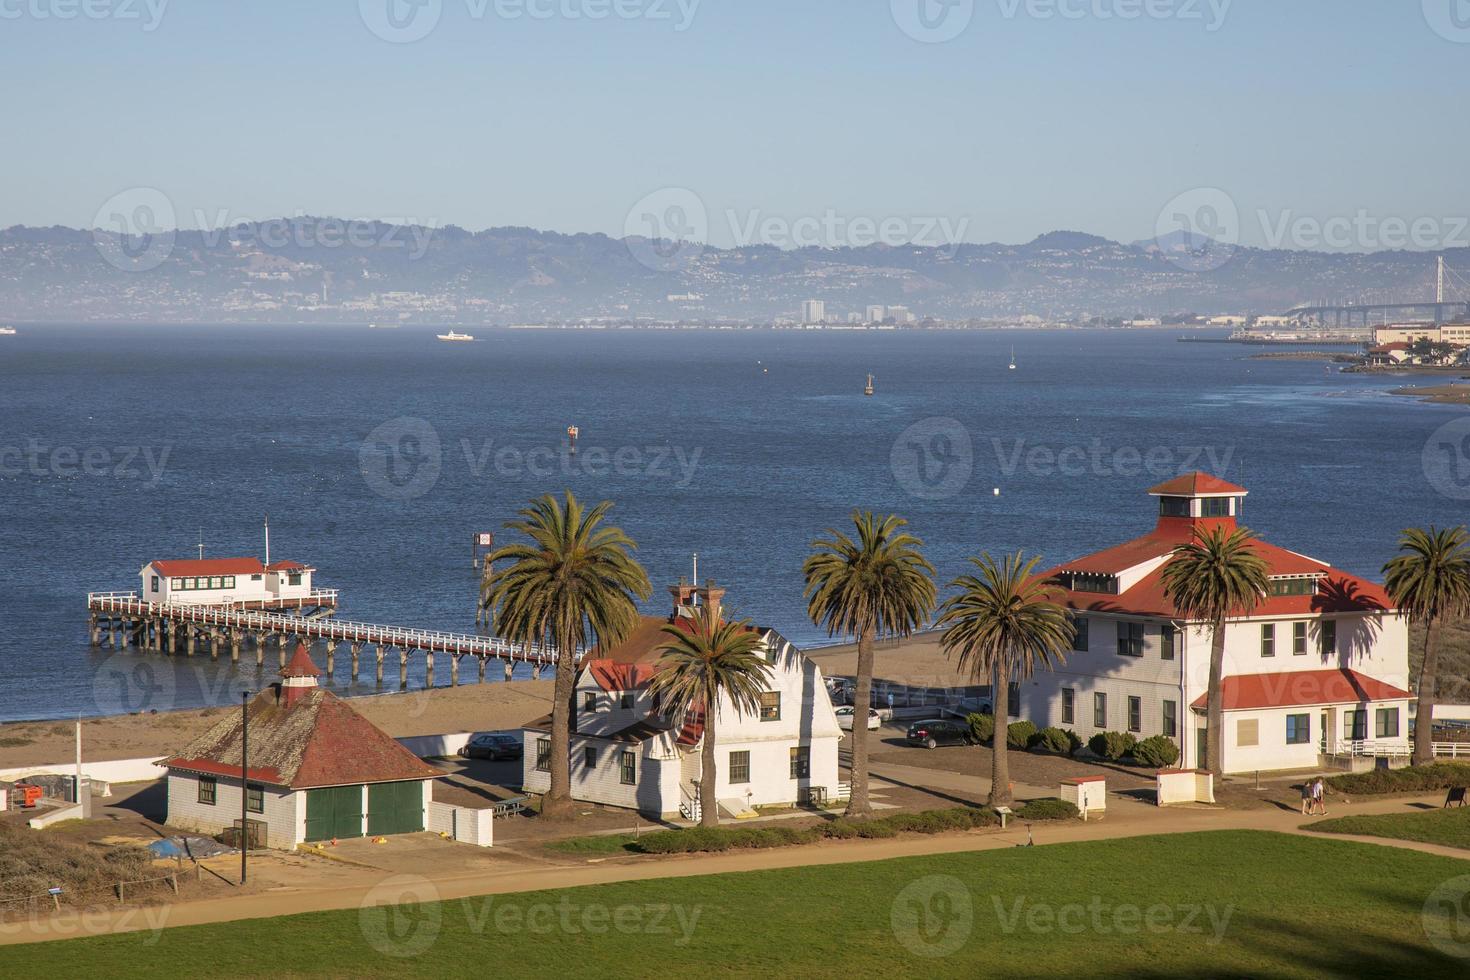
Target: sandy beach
{"points": [[1443, 394], [470, 707]]}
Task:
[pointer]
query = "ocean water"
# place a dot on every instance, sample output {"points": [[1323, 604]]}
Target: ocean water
{"points": [[378, 453]]}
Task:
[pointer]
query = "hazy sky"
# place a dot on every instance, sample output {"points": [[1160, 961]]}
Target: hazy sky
{"points": [[776, 117]]}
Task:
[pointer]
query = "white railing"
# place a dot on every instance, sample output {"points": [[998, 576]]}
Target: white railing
{"points": [[688, 804], [1452, 750], [335, 630], [1377, 748]]}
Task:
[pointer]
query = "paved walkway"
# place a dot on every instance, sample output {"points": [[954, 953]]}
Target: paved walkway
{"points": [[1125, 818]]}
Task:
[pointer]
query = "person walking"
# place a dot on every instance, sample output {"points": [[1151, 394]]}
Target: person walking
{"points": [[1319, 796], [1307, 798]]}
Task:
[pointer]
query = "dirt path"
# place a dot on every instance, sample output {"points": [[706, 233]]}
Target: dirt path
{"points": [[1125, 819]]}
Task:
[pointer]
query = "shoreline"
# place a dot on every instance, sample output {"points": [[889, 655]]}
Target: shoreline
{"points": [[1447, 394]]}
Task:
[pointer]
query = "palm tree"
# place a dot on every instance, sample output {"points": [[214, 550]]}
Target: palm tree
{"points": [[1003, 624], [573, 584], [1429, 581], [702, 660], [1216, 575], [878, 583]]}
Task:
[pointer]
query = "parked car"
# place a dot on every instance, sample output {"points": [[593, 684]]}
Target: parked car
{"points": [[934, 732], [493, 745], [847, 712]]}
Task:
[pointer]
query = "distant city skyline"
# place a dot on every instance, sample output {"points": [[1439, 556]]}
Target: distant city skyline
{"points": [[753, 123]]}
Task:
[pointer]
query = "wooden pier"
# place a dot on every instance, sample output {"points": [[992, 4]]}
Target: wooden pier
{"points": [[121, 619]]}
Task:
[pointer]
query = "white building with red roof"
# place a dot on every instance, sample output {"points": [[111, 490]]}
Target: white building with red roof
{"points": [[316, 769], [627, 751], [1318, 670], [245, 582]]}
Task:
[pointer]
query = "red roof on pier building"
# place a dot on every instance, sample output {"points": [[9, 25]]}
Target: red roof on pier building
{"points": [[1128, 578]]}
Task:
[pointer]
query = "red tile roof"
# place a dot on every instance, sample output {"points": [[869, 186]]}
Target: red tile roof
{"points": [[317, 740], [178, 567], [287, 566], [1302, 688], [1190, 484]]}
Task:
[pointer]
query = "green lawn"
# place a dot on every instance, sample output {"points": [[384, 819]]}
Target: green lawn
{"points": [[1210, 904], [1448, 827]]}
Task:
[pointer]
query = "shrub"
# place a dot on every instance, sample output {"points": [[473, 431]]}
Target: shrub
{"points": [[1414, 779], [1048, 808], [1056, 741], [982, 727], [1156, 752], [1111, 745], [1019, 734]]}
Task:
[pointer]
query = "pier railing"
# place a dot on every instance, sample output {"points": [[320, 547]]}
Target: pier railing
{"points": [[128, 605]]}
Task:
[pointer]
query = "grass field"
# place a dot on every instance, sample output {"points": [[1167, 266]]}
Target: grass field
{"points": [[1210, 904], [1448, 827]]}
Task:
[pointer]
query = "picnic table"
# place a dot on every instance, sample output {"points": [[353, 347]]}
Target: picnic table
{"points": [[511, 806]]}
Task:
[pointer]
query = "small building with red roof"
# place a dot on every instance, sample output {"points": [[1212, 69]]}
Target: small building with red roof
{"points": [[1317, 672], [247, 583], [628, 750], [315, 770]]}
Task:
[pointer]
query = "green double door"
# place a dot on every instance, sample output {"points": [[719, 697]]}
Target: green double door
{"points": [[392, 808], [333, 812]]}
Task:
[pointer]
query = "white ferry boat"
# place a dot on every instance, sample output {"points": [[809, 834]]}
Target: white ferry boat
{"points": [[451, 335], [7, 331]]}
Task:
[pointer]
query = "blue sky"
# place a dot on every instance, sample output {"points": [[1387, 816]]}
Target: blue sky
{"points": [[1026, 121]]}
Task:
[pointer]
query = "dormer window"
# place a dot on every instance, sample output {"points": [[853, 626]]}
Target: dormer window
{"points": [[1092, 582], [1215, 506], [1297, 585]]}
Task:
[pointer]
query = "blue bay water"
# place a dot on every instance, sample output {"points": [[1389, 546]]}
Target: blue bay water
{"points": [[275, 419]]}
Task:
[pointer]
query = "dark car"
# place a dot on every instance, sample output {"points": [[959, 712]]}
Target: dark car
{"points": [[934, 732], [493, 745]]}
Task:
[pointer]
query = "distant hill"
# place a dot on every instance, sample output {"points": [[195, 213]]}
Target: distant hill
{"points": [[277, 271]]}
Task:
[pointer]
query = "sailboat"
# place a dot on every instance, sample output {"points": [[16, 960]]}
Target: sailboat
{"points": [[1013, 357], [868, 388]]}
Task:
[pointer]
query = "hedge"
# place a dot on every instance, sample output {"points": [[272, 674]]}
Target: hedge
{"points": [[1111, 745], [1414, 779], [1019, 734], [982, 727], [1047, 808], [1156, 752], [1056, 740]]}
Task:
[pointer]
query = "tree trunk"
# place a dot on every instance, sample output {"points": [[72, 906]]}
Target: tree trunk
{"points": [[1000, 763], [709, 807], [1424, 718], [557, 804], [857, 803], [1215, 704]]}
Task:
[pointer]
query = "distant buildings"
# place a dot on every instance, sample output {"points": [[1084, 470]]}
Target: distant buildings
{"points": [[875, 314], [813, 311], [1408, 333]]}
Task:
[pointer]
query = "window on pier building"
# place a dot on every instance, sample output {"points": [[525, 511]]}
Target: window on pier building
{"points": [[1173, 506], [175, 583], [1268, 639], [1079, 634], [1130, 639], [154, 587], [1214, 506], [294, 578]]}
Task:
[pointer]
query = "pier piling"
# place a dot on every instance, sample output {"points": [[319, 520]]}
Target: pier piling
{"points": [[378, 653], [331, 658], [403, 668], [429, 668], [454, 670], [482, 668], [356, 649], [509, 669]]}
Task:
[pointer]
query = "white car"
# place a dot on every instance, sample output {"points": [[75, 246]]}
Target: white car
{"points": [[845, 715]]}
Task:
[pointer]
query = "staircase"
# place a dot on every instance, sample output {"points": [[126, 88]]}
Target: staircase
{"points": [[689, 803]]}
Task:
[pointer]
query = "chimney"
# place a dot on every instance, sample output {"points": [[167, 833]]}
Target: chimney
{"points": [[298, 677], [710, 595], [683, 596]]}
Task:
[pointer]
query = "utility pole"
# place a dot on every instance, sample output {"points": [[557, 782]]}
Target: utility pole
{"points": [[244, 781]]}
